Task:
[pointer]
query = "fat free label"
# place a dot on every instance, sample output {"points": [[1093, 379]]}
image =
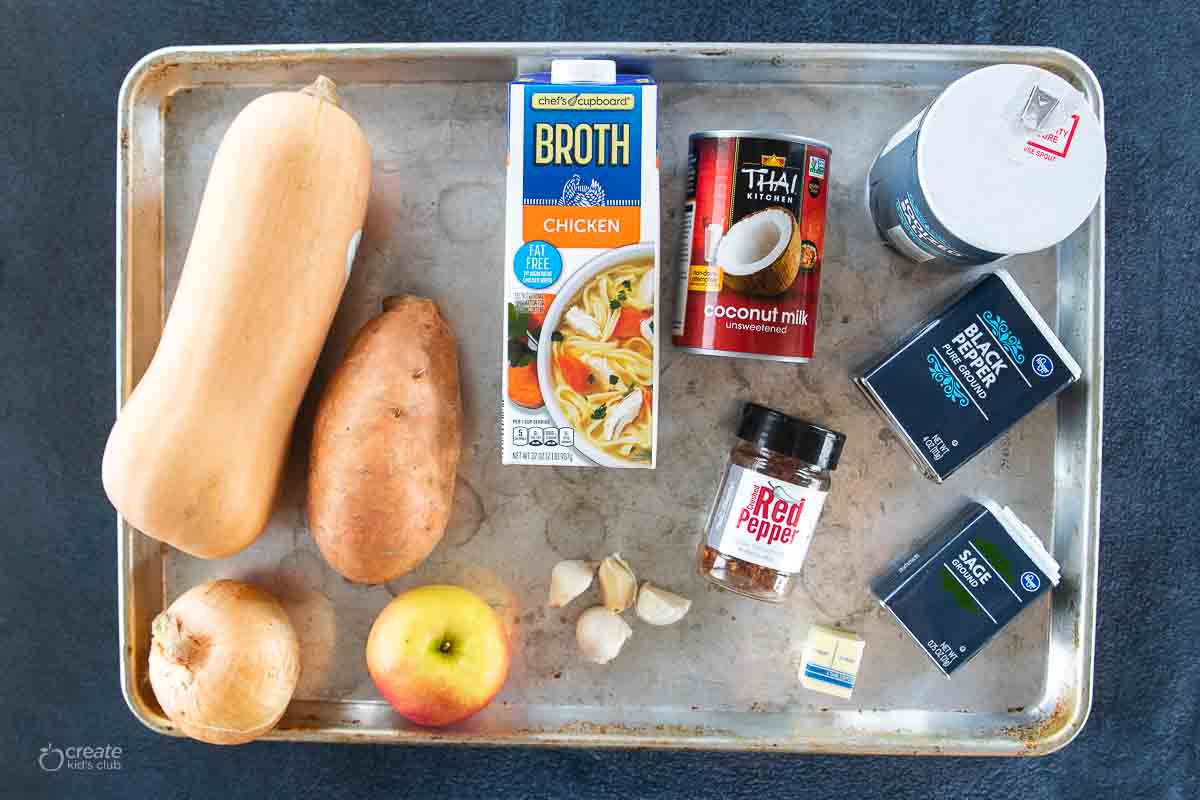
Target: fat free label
{"points": [[766, 521]]}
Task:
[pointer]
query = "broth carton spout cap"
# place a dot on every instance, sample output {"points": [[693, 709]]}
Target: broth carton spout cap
{"points": [[583, 70]]}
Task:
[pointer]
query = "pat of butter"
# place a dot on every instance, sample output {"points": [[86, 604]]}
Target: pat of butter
{"points": [[830, 661]]}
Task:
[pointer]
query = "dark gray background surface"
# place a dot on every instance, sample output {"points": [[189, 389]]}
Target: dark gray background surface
{"points": [[60, 67]]}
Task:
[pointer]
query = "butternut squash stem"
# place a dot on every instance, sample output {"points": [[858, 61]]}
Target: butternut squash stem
{"points": [[391, 302], [323, 89]]}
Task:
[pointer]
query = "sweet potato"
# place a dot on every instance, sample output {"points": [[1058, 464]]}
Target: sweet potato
{"points": [[386, 444]]}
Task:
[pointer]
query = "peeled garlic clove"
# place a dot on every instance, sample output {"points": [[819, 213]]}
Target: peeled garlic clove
{"points": [[618, 586], [600, 634], [568, 580], [659, 607]]}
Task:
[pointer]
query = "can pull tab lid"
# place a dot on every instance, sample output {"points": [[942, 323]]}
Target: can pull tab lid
{"points": [[1038, 108], [583, 70], [1033, 114]]}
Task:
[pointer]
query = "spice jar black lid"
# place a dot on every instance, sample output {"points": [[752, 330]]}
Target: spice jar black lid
{"points": [[767, 428]]}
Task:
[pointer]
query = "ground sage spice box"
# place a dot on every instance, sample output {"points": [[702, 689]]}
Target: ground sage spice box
{"points": [[969, 580]]}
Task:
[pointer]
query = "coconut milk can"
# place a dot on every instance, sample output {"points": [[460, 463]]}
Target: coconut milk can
{"points": [[749, 268]]}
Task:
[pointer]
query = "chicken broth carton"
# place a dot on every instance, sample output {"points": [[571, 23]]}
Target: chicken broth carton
{"points": [[581, 269]]}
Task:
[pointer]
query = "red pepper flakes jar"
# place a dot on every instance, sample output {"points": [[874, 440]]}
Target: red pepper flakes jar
{"points": [[766, 510]]}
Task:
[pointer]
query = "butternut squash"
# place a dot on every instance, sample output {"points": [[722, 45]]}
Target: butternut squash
{"points": [[196, 455]]}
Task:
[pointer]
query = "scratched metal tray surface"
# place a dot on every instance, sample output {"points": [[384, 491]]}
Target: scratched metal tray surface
{"points": [[725, 677]]}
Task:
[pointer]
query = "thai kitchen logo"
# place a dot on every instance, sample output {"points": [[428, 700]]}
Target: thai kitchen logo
{"points": [[770, 181], [76, 758], [771, 515]]}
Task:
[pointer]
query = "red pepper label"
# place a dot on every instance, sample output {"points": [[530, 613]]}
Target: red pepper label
{"points": [[764, 520]]}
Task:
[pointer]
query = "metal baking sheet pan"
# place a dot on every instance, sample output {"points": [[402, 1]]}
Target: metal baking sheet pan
{"points": [[725, 677]]}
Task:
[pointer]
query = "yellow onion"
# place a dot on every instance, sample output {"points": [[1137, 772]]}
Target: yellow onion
{"points": [[224, 662]]}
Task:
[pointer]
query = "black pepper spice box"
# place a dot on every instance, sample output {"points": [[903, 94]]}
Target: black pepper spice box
{"points": [[968, 374]]}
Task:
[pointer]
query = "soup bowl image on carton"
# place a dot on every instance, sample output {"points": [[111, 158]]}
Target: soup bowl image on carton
{"points": [[596, 356]]}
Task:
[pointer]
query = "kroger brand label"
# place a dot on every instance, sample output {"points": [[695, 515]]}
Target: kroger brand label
{"points": [[768, 522]]}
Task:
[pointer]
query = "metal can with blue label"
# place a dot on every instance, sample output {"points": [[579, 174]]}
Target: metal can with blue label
{"points": [[1008, 159]]}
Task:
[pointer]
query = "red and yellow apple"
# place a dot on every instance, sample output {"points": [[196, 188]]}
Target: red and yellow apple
{"points": [[438, 654]]}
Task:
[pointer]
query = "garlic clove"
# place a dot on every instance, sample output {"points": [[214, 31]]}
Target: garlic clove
{"points": [[659, 607], [618, 585], [600, 634], [568, 580]]}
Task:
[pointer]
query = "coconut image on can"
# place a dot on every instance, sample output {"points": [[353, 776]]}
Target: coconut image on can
{"points": [[750, 259], [762, 253]]}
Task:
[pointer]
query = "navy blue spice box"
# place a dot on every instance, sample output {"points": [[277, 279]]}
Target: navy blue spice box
{"points": [[968, 374], [966, 582]]}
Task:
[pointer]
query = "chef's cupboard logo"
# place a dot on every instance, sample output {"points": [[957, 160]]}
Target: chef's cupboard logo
{"points": [[80, 758], [583, 101]]}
